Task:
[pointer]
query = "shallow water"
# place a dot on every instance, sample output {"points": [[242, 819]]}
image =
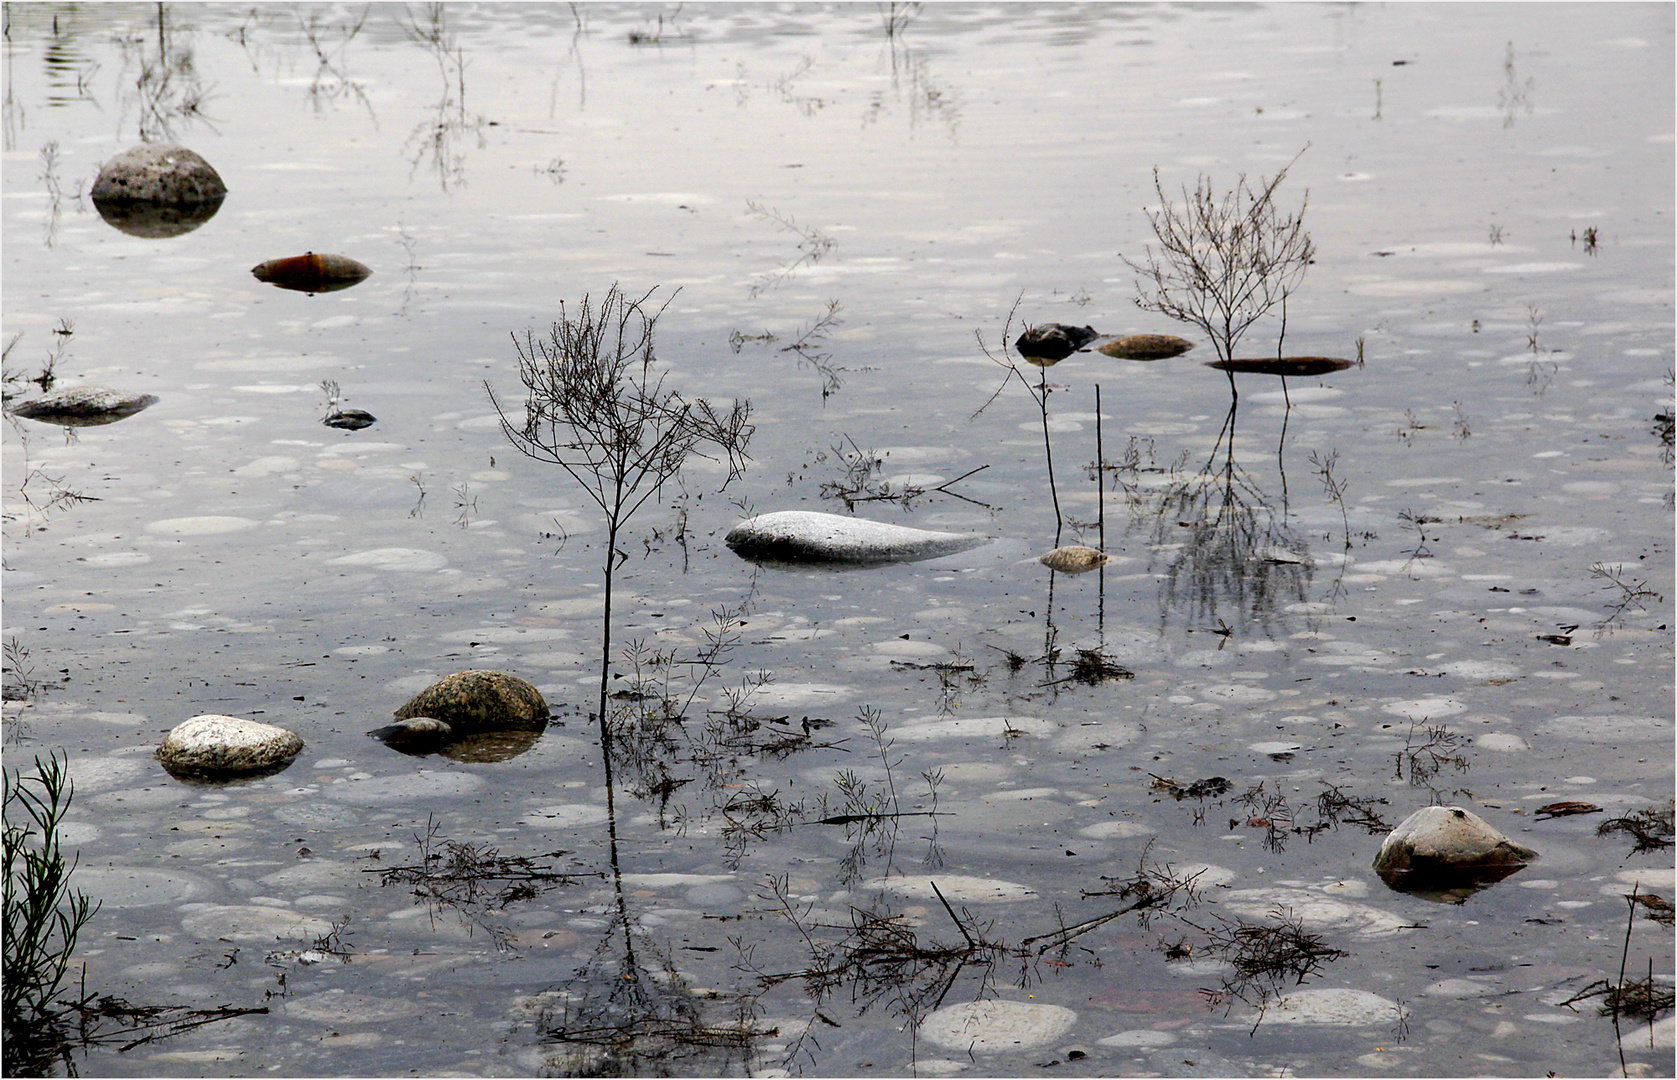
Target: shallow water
{"points": [[1496, 454]]}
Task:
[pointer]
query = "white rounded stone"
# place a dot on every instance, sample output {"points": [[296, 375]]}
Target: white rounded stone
{"points": [[227, 745], [809, 536]]}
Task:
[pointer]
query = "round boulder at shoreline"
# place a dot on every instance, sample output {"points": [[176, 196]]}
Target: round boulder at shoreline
{"points": [[215, 747], [469, 701], [808, 536]]}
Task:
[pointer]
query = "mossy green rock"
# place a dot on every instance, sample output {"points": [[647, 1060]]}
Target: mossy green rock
{"points": [[479, 701]]}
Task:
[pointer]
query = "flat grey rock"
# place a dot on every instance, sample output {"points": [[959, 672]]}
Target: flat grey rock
{"points": [[806, 536], [84, 406]]}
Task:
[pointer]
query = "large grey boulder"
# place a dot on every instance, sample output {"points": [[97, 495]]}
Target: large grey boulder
{"points": [[218, 747], [808, 536], [469, 701], [157, 190], [1438, 846], [84, 406], [158, 173]]}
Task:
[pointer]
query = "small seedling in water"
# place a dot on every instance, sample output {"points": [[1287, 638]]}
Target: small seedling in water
{"points": [[1460, 420], [1496, 235], [1631, 592], [1534, 319], [1223, 261]]}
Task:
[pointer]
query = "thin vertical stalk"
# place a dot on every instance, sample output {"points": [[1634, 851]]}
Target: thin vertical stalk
{"points": [[1048, 453], [1100, 516]]}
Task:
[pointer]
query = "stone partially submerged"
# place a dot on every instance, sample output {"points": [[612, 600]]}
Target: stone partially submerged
{"points": [[312, 273], [1074, 559], [1145, 347], [806, 536], [1048, 344], [84, 406], [1297, 366], [158, 173], [1444, 850], [470, 701], [212, 747]]}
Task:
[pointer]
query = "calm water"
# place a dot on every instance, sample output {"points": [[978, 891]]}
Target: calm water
{"points": [[1490, 192]]}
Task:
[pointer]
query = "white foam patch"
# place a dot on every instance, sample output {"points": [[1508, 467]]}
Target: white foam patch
{"points": [[565, 815], [962, 887], [1430, 708], [975, 727], [200, 526], [401, 559], [117, 558]]}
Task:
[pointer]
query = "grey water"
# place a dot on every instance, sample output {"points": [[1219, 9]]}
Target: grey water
{"points": [[1442, 575]]}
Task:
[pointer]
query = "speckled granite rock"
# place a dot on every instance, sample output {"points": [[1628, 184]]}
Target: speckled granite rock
{"points": [[477, 700], [213, 746], [158, 173]]}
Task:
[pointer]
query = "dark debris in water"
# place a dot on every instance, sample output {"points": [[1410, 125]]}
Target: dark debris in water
{"points": [[1652, 828]]}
